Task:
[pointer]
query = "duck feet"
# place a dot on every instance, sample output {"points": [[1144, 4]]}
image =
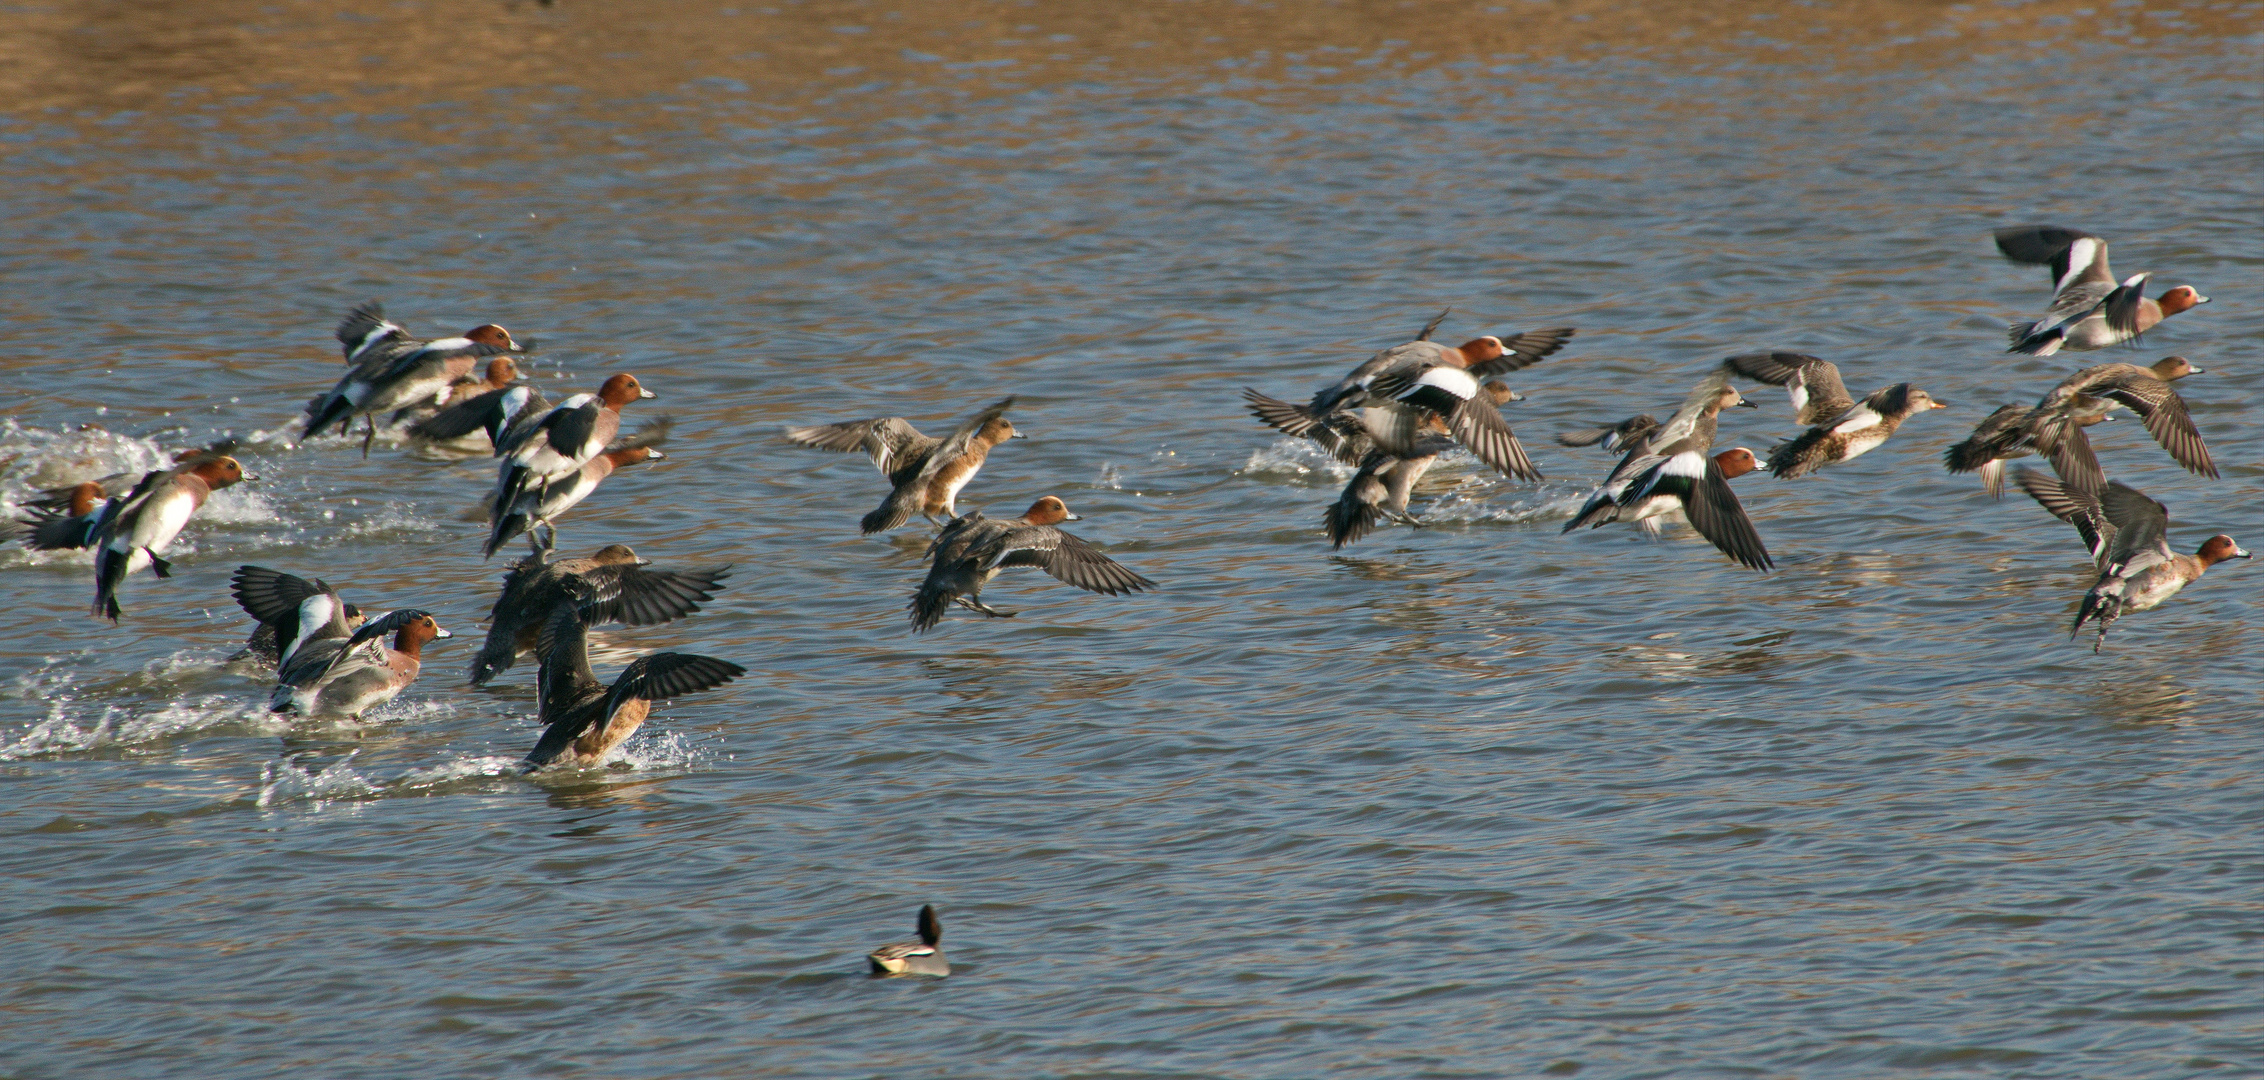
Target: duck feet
{"points": [[977, 605]]}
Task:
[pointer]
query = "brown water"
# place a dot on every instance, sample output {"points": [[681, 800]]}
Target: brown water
{"points": [[1471, 800]]}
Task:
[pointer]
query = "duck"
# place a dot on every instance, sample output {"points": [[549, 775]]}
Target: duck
{"points": [[1852, 433], [502, 374], [1812, 383], [1689, 485], [1999, 438], [497, 411], [1482, 357], [329, 675], [291, 611], [973, 549], [538, 508], [146, 520], [557, 443], [1384, 483], [2055, 426], [2090, 309], [397, 372], [1423, 375], [611, 586], [85, 508], [925, 474], [922, 957], [2128, 535], [1612, 438], [585, 719]]}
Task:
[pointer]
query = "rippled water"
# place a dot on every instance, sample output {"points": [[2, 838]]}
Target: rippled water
{"points": [[1471, 800]]}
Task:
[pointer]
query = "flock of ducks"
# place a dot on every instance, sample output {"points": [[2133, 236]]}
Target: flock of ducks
{"points": [[1390, 418]]}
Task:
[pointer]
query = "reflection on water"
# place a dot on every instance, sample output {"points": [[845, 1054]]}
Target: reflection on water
{"points": [[1469, 799]]}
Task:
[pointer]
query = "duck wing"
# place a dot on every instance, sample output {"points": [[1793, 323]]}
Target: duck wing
{"points": [[1696, 480], [564, 652], [1523, 351], [2142, 528], [1470, 415], [666, 675], [2071, 253], [891, 441], [1070, 560], [2164, 413], [638, 596], [2076, 506], [1813, 383]]}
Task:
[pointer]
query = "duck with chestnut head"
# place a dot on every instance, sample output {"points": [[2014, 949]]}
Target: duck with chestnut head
{"points": [[973, 549]]}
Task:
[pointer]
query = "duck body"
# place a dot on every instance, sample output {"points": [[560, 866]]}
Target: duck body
{"points": [[136, 533], [291, 611], [1863, 427], [393, 372], [922, 957], [539, 507], [558, 442]]}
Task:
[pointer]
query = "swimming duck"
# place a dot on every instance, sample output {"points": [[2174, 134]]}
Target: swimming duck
{"points": [[1385, 482], [2090, 310], [2128, 534], [2055, 425], [1852, 433], [394, 373], [329, 675], [610, 586], [926, 474], [291, 611], [922, 957], [539, 507], [586, 719], [559, 442], [148, 518], [1614, 438], [973, 549]]}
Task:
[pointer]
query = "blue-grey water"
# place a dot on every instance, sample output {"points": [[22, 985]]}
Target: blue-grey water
{"points": [[1471, 800]]}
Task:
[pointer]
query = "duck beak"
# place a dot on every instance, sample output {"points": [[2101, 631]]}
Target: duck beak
{"points": [[1074, 517], [1019, 435], [2198, 371], [2240, 552], [1941, 404], [1748, 403], [655, 455], [442, 633], [644, 393]]}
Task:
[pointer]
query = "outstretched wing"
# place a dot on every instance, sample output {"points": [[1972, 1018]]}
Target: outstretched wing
{"points": [[2142, 525], [2075, 506], [2166, 418], [905, 499], [889, 440], [1070, 560], [1523, 351], [637, 596]]}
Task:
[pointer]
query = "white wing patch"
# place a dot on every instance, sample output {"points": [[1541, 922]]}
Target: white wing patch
{"points": [[2080, 256], [1858, 419], [1453, 380]]}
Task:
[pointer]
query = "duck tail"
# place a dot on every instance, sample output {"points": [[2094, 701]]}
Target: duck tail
{"points": [[1788, 459], [2026, 339], [893, 511], [325, 411], [495, 658], [928, 606], [505, 528], [1350, 518], [109, 570]]}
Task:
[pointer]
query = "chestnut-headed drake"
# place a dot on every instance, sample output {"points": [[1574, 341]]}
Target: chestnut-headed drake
{"points": [[291, 611], [2090, 309], [537, 510], [330, 675], [2128, 534], [147, 519], [557, 443]]}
